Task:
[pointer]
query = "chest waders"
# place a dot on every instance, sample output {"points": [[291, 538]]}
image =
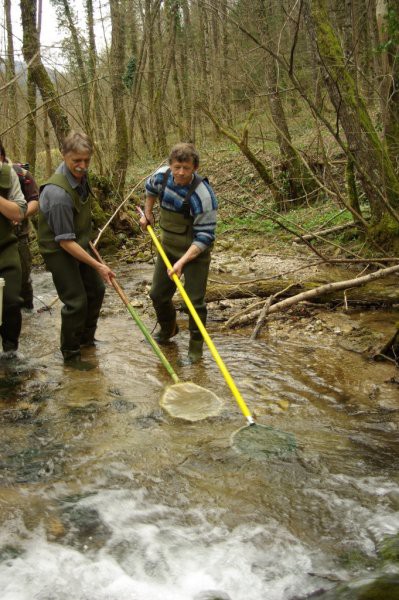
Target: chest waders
{"points": [[177, 236], [7, 236], [10, 270], [79, 286]]}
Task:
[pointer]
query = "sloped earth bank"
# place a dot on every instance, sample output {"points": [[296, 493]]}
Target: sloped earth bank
{"points": [[104, 496]]}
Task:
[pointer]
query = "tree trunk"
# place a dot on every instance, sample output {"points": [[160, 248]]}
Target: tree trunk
{"points": [[118, 91], [11, 111], [96, 118], [31, 123], [80, 66], [363, 290], [388, 27], [47, 145], [31, 51], [170, 15], [224, 65], [351, 189], [366, 50], [296, 181], [149, 35], [186, 67], [179, 101], [370, 156], [204, 54]]}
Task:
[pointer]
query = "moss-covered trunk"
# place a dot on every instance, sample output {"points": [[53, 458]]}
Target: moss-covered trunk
{"points": [[368, 151], [31, 51], [297, 181], [118, 91], [392, 113]]}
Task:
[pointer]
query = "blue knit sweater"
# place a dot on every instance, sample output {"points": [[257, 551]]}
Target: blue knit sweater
{"points": [[203, 205]]}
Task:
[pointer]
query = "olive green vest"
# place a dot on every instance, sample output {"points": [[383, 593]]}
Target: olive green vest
{"points": [[176, 231], [177, 234], [81, 219], [7, 236]]}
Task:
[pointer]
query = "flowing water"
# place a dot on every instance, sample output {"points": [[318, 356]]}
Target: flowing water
{"points": [[104, 496]]}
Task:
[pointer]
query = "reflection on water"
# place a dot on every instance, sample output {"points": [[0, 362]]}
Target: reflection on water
{"points": [[104, 495]]}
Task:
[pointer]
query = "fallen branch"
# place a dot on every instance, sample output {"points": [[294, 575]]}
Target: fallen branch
{"points": [[322, 232], [262, 317], [318, 291], [264, 312]]}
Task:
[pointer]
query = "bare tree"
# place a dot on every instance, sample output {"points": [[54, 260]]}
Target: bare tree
{"points": [[296, 179], [118, 174], [66, 15], [387, 13], [11, 112], [170, 16], [368, 152], [31, 51]]}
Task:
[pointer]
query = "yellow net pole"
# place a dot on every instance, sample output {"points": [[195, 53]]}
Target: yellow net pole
{"points": [[229, 380]]}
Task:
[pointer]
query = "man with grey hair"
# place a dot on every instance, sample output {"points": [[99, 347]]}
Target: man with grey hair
{"points": [[188, 220], [64, 234]]}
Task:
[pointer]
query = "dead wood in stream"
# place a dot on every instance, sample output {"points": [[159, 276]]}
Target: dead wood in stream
{"points": [[362, 291]]}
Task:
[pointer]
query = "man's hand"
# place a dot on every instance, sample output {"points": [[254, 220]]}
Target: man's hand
{"points": [[177, 269], [105, 272], [81, 255], [147, 219]]}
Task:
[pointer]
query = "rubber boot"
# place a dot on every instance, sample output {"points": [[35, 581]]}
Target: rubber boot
{"points": [[168, 330], [195, 351], [74, 360]]}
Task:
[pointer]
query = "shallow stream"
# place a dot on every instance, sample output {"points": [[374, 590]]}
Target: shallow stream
{"points": [[105, 497]]}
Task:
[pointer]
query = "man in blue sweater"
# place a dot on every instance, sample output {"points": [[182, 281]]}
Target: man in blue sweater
{"points": [[188, 220]]}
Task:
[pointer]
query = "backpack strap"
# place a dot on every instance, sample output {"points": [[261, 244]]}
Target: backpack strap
{"points": [[193, 186], [186, 202], [22, 177], [164, 182]]}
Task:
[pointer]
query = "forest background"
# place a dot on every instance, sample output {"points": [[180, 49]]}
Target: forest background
{"points": [[293, 105]]}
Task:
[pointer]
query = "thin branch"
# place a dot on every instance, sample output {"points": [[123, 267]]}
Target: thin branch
{"points": [[19, 75], [49, 101], [129, 195], [265, 310]]}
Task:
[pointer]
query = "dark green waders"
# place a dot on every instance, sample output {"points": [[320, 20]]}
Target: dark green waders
{"points": [[79, 286], [176, 238], [25, 257], [10, 271], [81, 290]]}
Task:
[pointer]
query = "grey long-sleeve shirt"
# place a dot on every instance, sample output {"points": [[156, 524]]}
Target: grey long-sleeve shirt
{"points": [[16, 194]]}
